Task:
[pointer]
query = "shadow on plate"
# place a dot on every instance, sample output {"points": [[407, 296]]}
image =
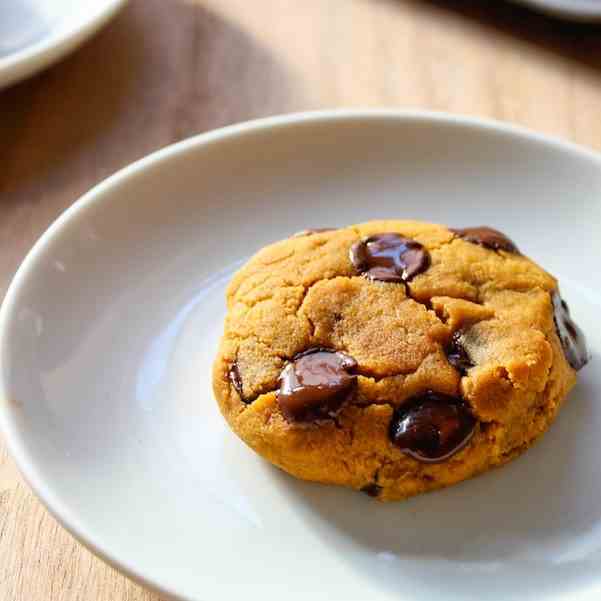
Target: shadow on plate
{"points": [[534, 523], [540, 507]]}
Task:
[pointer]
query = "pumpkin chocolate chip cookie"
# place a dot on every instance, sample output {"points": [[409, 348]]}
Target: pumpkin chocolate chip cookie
{"points": [[394, 357]]}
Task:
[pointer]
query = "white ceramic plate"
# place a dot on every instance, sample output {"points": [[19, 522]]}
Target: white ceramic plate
{"points": [[36, 33], [573, 10], [109, 329]]}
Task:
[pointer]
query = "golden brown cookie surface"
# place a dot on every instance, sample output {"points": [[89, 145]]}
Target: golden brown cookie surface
{"points": [[394, 356]]}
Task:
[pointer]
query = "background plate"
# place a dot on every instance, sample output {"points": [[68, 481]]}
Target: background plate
{"points": [[574, 10], [37, 33]]}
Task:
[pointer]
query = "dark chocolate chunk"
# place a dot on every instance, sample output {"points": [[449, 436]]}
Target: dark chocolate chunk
{"points": [[315, 383], [236, 379], [571, 336], [311, 231], [487, 236], [373, 490], [389, 257], [457, 355], [432, 426]]}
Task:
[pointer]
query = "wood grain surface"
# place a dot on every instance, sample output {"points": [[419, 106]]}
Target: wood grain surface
{"points": [[166, 69]]}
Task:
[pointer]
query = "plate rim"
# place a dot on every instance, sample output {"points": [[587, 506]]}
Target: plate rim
{"points": [[580, 11], [28, 61], [17, 446]]}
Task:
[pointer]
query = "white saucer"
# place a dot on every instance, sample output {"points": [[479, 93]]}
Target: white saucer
{"points": [[36, 33], [573, 10], [109, 329]]}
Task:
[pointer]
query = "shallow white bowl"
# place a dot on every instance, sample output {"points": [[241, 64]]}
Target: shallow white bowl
{"points": [[36, 33], [109, 329]]}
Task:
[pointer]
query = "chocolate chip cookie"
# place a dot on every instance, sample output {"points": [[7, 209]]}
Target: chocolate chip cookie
{"points": [[394, 357]]}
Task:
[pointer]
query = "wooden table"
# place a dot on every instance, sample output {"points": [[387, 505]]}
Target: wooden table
{"points": [[167, 69]]}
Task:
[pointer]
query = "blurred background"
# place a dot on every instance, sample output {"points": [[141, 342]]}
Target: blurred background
{"points": [[163, 70]]}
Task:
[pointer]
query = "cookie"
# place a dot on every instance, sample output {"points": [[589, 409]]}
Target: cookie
{"points": [[394, 357]]}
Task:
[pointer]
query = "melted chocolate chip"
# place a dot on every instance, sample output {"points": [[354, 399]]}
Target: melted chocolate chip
{"points": [[389, 257], [236, 379], [311, 231], [571, 336], [431, 427], [373, 490], [315, 383], [487, 236], [457, 355]]}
